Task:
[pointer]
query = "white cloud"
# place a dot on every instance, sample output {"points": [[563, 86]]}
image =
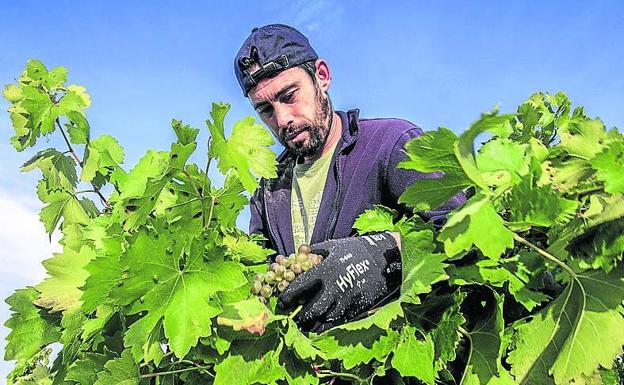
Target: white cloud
{"points": [[24, 241], [315, 16]]}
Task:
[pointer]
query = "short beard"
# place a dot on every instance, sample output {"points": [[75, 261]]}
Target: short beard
{"points": [[318, 131]]}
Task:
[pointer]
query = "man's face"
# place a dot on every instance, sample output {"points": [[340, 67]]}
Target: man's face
{"points": [[295, 108]]}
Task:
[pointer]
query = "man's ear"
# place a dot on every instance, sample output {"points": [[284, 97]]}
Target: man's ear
{"points": [[322, 74]]}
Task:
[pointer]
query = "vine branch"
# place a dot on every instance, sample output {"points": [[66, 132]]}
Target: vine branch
{"points": [[200, 194], [208, 161], [80, 163], [156, 374], [465, 333], [329, 373], [212, 203], [546, 255]]}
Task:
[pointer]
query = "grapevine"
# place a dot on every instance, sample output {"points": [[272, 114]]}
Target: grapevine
{"points": [[155, 284]]}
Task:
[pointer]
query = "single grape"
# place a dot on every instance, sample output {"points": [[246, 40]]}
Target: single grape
{"points": [[259, 277], [256, 287], [273, 266], [301, 257], [269, 277], [296, 268], [304, 249], [291, 260], [266, 291], [314, 259], [289, 275], [280, 270], [280, 259], [305, 266], [263, 300], [282, 286]]}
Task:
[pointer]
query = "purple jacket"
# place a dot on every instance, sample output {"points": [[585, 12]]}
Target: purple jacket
{"points": [[362, 173]]}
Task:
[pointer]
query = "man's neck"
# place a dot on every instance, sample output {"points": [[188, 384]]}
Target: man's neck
{"points": [[335, 132]]}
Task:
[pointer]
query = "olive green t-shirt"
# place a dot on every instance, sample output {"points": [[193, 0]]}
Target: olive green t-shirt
{"points": [[308, 183]]}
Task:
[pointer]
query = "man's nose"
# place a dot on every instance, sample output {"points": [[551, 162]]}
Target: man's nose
{"points": [[283, 117]]}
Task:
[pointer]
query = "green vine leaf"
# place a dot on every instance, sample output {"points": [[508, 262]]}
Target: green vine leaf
{"points": [[238, 369], [250, 159], [414, 357], [464, 229], [61, 290], [242, 248], [421, 266], [32, 328], [85, 370], [433, 152], [58, 169], [67, 206], [563, 337], [173, 284], [119, 371], [521, 274], [103, 156], [534, 205], [486, 342], [583, 139], [609, 165], [493, 123], [250, 315], [301, 344], [355, 347], [378, 219]]}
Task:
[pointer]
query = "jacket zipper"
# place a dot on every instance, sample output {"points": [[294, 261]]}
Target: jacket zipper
{"points": [[334, 220], [266, 214]]}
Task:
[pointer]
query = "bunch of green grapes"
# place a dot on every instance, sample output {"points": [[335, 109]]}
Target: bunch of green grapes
{"points": [[283, 271]]}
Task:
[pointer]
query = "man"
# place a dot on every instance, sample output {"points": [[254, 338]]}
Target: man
{"points": [[334, 167]]}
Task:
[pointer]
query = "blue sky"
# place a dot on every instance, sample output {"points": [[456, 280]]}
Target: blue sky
{"points": [[435, 63]]}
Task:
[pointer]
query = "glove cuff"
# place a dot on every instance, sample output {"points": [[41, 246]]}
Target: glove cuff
{"points": [[383, 243]]}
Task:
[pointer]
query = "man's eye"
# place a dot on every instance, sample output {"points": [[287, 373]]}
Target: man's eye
{"points": [[265, 111], [288, 97]]}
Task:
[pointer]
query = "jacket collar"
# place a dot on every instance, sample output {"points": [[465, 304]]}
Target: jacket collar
{"points": [[349, 135]]}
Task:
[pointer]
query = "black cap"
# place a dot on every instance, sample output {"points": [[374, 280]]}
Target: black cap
{"points": [[274, 47]]}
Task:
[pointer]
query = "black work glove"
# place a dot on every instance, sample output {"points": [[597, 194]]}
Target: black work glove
{"points": [[355, 275]]}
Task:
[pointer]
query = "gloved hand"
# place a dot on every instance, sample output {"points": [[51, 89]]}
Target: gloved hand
{"points": [[355, 275]]}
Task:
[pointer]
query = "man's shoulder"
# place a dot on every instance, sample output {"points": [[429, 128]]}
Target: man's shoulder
{"points": [[388, 130]]}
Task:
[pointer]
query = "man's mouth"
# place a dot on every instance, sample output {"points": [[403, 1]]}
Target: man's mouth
{"points": [[294, 135]]}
